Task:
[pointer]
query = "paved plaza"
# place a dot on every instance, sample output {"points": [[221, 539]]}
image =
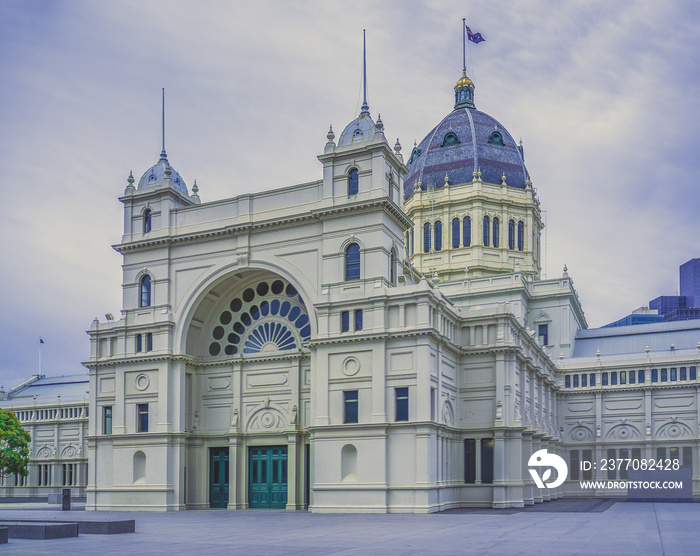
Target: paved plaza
{"points": [[561, 527]]}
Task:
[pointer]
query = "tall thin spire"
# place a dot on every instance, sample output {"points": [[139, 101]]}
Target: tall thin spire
{"points": [[365, 106], [163, 156]]}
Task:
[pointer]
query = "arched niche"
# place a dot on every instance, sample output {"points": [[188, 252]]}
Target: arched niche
{"points": [[139, 467], [348, 464]]}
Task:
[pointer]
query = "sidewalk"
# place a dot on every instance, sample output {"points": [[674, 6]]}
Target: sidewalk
{"points": [[621, 529]]}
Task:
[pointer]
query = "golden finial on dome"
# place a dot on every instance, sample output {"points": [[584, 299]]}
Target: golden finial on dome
{"points": [[464, 81]]}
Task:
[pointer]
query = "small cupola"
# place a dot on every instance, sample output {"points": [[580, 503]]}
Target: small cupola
{"points": [[464, 92]]}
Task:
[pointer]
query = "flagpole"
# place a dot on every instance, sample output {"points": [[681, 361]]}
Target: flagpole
{"points": [[464, 44], [40, 342]]}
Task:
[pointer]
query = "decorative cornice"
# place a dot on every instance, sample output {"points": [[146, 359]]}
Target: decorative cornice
{"points": [[248, 227]]}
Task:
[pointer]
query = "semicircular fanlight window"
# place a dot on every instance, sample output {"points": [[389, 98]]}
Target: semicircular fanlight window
{"points": [[267, 317]]}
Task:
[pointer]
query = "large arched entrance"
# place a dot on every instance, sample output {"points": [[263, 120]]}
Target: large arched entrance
{"points": [[247, 393]]}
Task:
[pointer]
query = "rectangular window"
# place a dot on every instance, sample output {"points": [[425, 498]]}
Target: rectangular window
{"points": [[432, 404], [674, 453], [574, 464], [345, 321], [640, 376], [693, 373], [664, 375], [655, 375], [587, 456], [684, 373], [401, 404], [142, 417], [624, 454], [584, 380], [575, 381], [661, 453], [68, 474], [487, 460], [592, 379], [469, 460], [636, 454], [604, 378], [139, 343], [107, 419], [633, 375], [149, 341], [623, 377], [543, 333], [350, 406], [613, 378], [688, 456], [611, 464], [358, 319], [674, 374], [567, 381]]}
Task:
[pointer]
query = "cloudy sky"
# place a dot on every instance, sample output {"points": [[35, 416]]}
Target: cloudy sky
{"points": [[605, 95]]}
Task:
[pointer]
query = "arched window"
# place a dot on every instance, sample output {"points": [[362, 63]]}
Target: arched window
{"points": [[352, 262], [496, 230], [147, 221], [467, 232], [353, 182], [392, 266], [426, 237], [455, 233], [521, 234], [145, 291], [438, 235], [511, 234], [486, 231]]}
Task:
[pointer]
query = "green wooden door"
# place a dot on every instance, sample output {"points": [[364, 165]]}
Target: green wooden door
{"points": [[218, 477], [268, 477]]}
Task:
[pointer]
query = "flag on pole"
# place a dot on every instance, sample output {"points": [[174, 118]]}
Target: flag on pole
{"points": [[476, 38], [41, 341]]}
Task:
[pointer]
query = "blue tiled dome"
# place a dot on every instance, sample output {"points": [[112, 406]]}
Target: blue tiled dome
{"points": [[156, 174], [466, 141]]}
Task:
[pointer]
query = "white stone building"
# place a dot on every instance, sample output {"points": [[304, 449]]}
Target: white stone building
{"points": [[54, 411], [276, 350], [632, 393], [379, 340]]}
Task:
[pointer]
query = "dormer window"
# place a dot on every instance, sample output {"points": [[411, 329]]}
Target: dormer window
{"points": [[353, 182], [415, 153], [496, 139], [450, 140], [147, 221]]}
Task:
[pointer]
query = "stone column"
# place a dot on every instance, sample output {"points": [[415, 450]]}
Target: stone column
{"points": [[236, 499], [499, 469]]}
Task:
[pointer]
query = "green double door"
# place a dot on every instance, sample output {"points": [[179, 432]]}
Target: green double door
{"points": [[268, 477], [218, 477]]}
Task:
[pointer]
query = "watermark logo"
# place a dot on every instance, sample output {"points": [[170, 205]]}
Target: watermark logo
{"points": [[541, 459]]}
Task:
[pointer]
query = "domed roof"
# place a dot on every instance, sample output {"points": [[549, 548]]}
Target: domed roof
{"points": [[156, 174], [466, 141], [361, 128]]}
